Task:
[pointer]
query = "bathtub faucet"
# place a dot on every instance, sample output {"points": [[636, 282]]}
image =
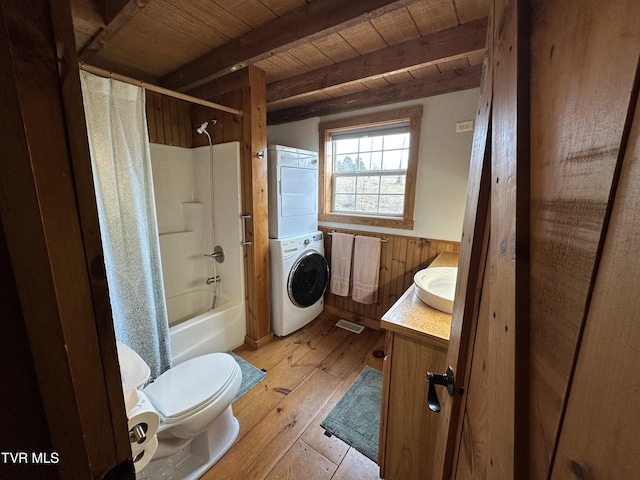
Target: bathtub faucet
{"points": [[211, 280], [218, 254]]}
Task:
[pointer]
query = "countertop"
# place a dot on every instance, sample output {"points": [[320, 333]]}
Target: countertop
{"points": [[411, 316]]}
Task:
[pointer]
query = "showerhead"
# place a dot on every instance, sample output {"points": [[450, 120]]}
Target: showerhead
{"points": [[203, 126]]}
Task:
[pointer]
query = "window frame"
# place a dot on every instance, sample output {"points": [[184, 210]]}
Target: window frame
{"points": [[413, 115]]}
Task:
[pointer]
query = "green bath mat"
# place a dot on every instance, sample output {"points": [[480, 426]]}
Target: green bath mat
{"points": [[356, 417], [251, 376]]}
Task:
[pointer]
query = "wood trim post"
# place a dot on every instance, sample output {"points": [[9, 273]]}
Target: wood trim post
{"points": [[471, 268], [255, 203], [74, 363], [509, 243]]}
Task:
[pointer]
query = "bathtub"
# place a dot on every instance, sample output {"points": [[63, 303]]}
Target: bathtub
{"points": [[218, 330]]}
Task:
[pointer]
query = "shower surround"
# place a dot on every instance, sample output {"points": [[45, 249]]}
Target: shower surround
{"points": [[181, 179]]}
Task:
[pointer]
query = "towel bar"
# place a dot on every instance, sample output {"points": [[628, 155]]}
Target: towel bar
{"points": [[382, 240]]}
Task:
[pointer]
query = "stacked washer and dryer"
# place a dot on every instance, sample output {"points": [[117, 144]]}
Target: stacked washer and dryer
{"points": [[299, 271]]}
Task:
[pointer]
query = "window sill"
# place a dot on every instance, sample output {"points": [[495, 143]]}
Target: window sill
{"points": [[389, 222]]}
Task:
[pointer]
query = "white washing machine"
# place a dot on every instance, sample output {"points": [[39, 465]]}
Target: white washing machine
{"points": [[299, 277]]}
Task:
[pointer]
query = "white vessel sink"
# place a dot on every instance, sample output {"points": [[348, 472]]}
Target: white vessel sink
{"points": [[436, 286]]}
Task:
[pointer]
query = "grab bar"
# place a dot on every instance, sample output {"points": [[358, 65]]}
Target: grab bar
{"points": [[245, 217]]}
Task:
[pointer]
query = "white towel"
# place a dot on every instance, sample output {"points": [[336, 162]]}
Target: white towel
{"points": [[341, 249], [366, 269]]}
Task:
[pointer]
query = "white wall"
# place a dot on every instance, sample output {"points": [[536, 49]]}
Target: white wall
{"points": [[443, 165], [302, 134]]}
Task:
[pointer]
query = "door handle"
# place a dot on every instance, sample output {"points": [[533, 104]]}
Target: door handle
{"points": [[445, 379]]}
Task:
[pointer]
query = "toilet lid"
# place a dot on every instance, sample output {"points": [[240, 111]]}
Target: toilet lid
{"points": [[190, 386]]}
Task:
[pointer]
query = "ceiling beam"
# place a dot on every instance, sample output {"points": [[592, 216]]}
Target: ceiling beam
{"points": [[314, 20], [441, 46], [219, 86], [116, 14], [450, 81]]}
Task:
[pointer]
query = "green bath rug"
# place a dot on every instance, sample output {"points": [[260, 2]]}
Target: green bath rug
{"points": [[356, 417], [251, 375]]}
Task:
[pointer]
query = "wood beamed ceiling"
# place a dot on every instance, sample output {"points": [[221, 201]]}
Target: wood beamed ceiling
{"points": [[320, 57]]}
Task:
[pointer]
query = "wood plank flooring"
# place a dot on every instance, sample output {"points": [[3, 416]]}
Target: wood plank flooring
{"points": [[280, 434]]}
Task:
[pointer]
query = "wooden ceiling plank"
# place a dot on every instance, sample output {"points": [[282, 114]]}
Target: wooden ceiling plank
{"points": [[81, 38], [251, 12], [363, 38], [85, 26], [130, 47], [86, 10], [311, 56], [290, 64], [435, 15], [420, 88], [186, 23], [305, 24], [218, 18], [84, 31], [280, 7], [471, 9], [396, 27], [273, 71], [117, 15], [335, 47], [447, 44]]}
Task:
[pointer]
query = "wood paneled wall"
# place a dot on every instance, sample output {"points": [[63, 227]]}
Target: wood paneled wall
{"points": [[400, 258], [169, 120], [228, 127]]}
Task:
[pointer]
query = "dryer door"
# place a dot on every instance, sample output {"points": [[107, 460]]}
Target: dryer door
{"points": [[308, 279]]}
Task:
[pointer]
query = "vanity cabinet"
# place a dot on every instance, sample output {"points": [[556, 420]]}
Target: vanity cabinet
{"points": [[416, 342], [409, 440]]}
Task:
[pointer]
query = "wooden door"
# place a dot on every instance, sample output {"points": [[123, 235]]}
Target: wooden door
{"points": [[599, 432], [471, 274], [552, 318]]}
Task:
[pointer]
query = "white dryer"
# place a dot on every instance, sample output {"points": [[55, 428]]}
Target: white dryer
{"points": [[299, 277], [293, 191]]}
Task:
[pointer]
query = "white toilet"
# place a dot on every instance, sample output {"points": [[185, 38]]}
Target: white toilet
{"points": [[193, 401]]}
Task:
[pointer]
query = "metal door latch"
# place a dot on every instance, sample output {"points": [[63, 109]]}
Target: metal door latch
{"points": [[434, 379]]}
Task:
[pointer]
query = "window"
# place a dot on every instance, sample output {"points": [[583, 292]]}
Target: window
{"points": [[369, 165]]}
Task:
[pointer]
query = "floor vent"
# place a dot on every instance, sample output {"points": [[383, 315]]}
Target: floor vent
{"points": [[352, 327]]}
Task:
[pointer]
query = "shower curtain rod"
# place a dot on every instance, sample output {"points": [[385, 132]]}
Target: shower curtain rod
{"points": [[154, 88]]}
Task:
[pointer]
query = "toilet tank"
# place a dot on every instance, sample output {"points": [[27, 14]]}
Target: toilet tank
{"points": [[134, 371]]}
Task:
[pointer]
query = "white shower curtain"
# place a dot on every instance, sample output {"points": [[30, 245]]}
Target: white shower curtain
{"points": [[121, 163]]}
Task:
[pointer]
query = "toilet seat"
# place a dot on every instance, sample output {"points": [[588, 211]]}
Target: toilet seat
{"points": [[191, 386]]}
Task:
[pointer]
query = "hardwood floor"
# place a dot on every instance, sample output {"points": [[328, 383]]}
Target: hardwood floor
{"points": [[280, 433]]}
